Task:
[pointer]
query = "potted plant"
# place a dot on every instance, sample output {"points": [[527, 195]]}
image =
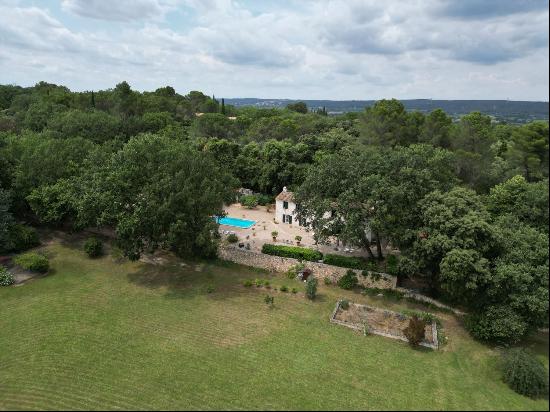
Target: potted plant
{"points": [[274, 235], [298, 239]]}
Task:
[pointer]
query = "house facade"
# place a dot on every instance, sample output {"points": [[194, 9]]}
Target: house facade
{"points": [[285, 208]]}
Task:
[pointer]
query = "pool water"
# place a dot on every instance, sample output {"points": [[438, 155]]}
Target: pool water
{"points": [[236, 222]]}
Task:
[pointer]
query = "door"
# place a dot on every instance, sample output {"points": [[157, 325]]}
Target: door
{"points": [[289, 219]]}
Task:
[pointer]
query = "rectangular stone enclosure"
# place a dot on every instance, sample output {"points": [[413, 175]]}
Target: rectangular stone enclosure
{"points": [[381, 322]]}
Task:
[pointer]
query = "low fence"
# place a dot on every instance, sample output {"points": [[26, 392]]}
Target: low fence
{"points": [[283, 264]]}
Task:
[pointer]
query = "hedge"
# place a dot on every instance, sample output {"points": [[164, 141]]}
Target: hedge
{"points": [[301, 253], [350, 262]]}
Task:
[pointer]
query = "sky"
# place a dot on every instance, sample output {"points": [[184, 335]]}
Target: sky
{"points": [[325, 49]]}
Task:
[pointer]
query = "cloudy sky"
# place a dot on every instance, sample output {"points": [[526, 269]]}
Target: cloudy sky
{"points": [[326, 49]]}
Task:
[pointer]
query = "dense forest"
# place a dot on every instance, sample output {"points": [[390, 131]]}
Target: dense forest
{"points": [[466, 201]]}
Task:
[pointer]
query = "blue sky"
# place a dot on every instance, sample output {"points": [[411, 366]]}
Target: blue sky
{"points": [[331, 49]]}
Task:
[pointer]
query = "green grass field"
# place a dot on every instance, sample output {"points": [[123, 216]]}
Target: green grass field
{"points": [[97, 334]]}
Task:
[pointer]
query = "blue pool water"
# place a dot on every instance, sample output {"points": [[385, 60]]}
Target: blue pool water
{"points": [[234, 221]]}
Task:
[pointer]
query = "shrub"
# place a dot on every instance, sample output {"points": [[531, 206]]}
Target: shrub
{"points": [[364, 273], [33, 262], [524, 373], [294, 290], [283, 288], [392, 263], [295, 252], [93, 247], [258, 283], [294, 270], [350, 262], [249, 201], [298, 238], [269, 300], [232, 238], [344, 304], [210, 289], [23, 237], [6, 278], [274, 234], [348, 281], [311, 288], [327, 280], [415, 331], [499, 324], [247, 283]]}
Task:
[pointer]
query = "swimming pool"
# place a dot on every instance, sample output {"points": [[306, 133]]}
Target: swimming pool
{"points": [[235, 221]]}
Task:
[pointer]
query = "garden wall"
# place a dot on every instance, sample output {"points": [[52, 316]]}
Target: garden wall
{"points": [[282, 264]]}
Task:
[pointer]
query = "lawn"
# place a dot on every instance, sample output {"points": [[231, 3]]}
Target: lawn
{"points": [[113, 334]]}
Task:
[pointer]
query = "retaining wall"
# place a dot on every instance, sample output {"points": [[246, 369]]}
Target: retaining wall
{"points": [[283, 264]]}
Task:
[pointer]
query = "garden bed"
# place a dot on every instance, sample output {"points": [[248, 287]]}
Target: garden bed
{"points": [[381, 322]]}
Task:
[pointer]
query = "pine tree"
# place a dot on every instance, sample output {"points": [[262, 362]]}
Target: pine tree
{"points": [[223, 106], [93, 99]]}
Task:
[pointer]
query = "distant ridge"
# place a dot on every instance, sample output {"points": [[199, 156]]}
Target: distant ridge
{"points": [[507, 110]]}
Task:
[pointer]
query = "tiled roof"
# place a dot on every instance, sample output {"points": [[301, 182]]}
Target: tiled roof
{"points": [[285, 196]]}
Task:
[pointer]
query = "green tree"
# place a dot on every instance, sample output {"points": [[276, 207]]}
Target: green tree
{"points": [[298, 107], [528, 150]]}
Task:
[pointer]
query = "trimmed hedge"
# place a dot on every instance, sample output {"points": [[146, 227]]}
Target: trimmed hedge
{"points": [[350, 262], [295, 252]]}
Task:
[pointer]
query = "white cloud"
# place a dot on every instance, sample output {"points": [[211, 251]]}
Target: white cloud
{"points": [[330, 49]]}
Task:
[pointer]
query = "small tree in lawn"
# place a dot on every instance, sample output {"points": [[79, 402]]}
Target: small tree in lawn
{"points": [[274, 235], [93, 247], [415, 331], [269, 300], [311, 288]]}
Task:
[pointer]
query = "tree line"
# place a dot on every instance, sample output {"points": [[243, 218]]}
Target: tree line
{"points": [[466, 202]]}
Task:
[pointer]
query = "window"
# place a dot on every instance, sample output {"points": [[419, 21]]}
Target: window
{"points": [[285, 205]]}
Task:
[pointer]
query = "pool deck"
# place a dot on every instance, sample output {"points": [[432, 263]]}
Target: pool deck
{"points": [[260, 233]]}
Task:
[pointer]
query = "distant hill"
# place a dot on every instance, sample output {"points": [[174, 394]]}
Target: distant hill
{"points": [[505, 110]]}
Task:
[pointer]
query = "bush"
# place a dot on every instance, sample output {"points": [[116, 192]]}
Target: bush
{"points": [[294, 270], [348, 281], [210, 289], [247, 283], [350, 262], [327, 280], [93, 247], [249, 201], [295, 252], [415, 331], [269, 300], [311, 288], [283, 288], [344, 304], [392, 264], [258, 283], [232, 238], [497, 324], [33, 262], [294, 290], [524, 373], [6, 278], [23, 238]]}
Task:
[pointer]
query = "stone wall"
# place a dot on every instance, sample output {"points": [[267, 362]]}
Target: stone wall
{"points": [[283, 264]]}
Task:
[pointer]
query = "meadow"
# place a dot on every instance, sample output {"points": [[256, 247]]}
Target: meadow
{"points": [[112, 334]]}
